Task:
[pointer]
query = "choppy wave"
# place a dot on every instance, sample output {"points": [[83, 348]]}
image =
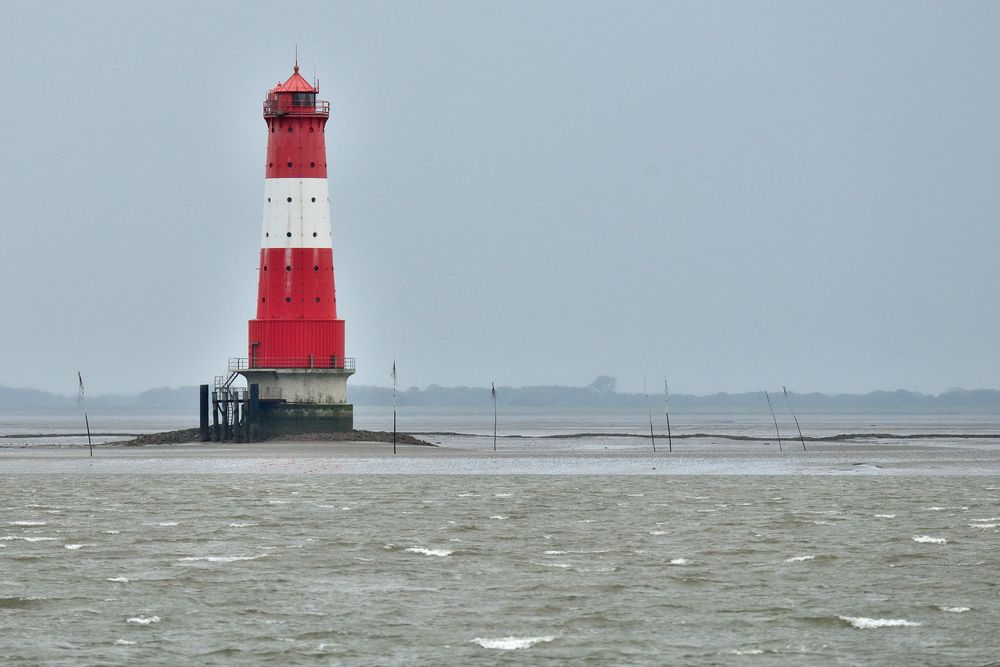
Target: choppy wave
{"points": [[74, 547], [221, 559], [124, 642], [29, 538], [119, 580], [799, 559], [511, 643], [954, 610], [927, 539], [885, 516], [28, 523], [143, 620], [863, 623], [679, 561], [430, 552]]}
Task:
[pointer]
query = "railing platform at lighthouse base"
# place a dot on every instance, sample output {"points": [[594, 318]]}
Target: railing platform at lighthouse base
{"points": [[307, 395]]}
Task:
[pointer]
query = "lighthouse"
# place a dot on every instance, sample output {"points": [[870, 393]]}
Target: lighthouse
{"points": [[296, 342]]}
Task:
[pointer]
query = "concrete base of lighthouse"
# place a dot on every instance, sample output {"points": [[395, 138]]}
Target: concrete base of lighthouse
{"points": [[302, 400]]}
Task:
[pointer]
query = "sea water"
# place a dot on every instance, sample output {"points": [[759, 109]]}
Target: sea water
{"points": [[221, 569]]}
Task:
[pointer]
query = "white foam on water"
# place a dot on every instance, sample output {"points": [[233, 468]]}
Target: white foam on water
{"points": [[511, 643], [822, 523], [657, 532], [240, 525], [499, 518], [119, 580], [885, 516], [111, 532], [221, 559], [863, 623], [679, 561], [989, 518], [799, 559], [937, 508], [24, 538], [561, 566], [344, 509], [277, 502], [954, 610], [746, 651], [167, 523], [927, 539], [467, 495], [28, 523], [124, 642], [983, 525], [430, 552], [501, 495], [554, 552], [74, 547], [587, 521], [143, 620]]}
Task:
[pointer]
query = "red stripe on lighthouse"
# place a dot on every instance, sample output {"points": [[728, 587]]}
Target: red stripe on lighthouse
{"points": [[296, 284]]}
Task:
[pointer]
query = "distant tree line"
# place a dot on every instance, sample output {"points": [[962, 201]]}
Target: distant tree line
{"points": [[600, 394]]}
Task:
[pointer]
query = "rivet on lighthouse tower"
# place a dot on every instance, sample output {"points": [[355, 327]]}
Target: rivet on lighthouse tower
{"points": [[296, 342]]}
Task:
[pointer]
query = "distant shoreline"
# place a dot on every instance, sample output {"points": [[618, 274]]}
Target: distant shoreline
{"points": [[593, 397]]}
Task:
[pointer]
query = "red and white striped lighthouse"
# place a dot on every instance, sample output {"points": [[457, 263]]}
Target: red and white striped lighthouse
{"points": [[296, 342]]}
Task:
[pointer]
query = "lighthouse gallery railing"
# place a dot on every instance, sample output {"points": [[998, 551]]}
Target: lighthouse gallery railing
{"points": [[283, 107], [338, 363]]}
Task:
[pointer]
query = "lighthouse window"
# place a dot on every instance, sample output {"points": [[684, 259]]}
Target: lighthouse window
{"points": [[304, 99], [313, 199], [315, 268], [270, 164], [289, 164], [288, 299], [312, 164], [288, 267], [289, 200], [288, 234], [317, 299], [263, 300], [314, 234], [289, 128]]}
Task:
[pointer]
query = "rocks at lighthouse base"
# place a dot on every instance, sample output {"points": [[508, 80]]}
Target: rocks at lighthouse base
{"points": [[190, 435]]}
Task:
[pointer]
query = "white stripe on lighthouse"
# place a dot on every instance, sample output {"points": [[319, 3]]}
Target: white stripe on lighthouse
{"points": [[296, 213]]}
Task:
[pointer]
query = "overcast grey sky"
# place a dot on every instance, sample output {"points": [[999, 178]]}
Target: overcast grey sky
{"points": [[737, 194]]}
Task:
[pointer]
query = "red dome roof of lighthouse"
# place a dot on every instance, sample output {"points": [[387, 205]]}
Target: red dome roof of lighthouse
{"points": [[296, 84]]}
